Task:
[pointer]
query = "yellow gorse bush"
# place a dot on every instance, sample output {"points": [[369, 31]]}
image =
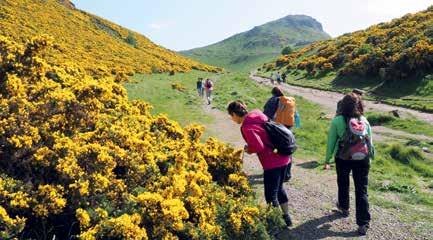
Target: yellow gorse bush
{"points": [[395, 50], [88, 42], [78, 158]]}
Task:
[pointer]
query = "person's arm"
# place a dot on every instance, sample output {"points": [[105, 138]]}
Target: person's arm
{"points": [[332, 141], [254, 143], [270, 108], [370, 135]]}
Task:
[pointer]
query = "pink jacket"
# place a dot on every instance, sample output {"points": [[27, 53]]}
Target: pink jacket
{"points": [[258, 141]]}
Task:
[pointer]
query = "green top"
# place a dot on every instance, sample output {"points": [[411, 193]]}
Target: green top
{"points": [[336, 133]]}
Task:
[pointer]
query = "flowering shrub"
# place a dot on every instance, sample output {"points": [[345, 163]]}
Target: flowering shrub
{"points": [[178, 86], [399, 49], [78, 158], [93, 44]]}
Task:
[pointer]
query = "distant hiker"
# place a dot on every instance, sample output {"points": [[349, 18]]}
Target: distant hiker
{"points": [[278, 76], [282, 109], [208, 88], [274, 165], [200, 87], [356, 91], [350, 138], [284, 76], [272, 78]]}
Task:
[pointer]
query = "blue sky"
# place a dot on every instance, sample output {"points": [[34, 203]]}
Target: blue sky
{"points": [[186, 24]]}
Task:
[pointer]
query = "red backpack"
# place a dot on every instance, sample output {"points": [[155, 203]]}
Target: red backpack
{"points": [[355, 144]]}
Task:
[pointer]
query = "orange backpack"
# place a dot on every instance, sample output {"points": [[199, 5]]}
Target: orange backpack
{"points": [[285, 113]]}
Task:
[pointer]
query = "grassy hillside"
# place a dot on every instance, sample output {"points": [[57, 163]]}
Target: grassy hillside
{"points": [[175, 96], [399, 170], [260, 44], [84, 40], [393, 61]]}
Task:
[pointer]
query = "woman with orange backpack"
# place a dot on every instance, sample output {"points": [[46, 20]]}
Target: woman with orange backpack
{"points": [[350, 138], [282, 109]]}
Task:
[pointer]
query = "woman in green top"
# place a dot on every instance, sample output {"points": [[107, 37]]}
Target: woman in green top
{"points": [[352, 108]]}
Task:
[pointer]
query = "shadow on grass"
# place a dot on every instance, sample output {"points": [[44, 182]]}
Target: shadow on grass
{"points": [[308, 165], [256, 179], [315, 229]]}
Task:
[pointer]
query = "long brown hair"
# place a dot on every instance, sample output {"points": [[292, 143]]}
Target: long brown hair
{"points": [[352, 106]]}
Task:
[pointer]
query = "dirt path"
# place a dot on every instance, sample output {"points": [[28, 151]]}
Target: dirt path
{"points": [[312, 195], [329, 99]]}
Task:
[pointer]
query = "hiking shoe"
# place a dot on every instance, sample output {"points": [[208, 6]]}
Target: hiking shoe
{"points": [[288, 220], [362, 230], [344, 212]]}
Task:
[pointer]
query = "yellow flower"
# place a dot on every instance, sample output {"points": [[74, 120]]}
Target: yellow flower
{"points": [[83, 217]]}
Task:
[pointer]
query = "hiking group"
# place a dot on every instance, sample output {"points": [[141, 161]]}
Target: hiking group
{"points": [[278, 77], [205, 87], [269, 135]]}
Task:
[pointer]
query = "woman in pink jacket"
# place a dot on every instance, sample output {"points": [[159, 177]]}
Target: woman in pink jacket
{"points": [[274, 165]]}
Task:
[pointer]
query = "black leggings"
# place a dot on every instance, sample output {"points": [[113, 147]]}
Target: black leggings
{"points": [[274, 188]]}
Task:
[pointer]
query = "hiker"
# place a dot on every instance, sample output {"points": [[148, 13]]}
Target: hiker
{"points": [[357, 91], [282, 109], [278, 76], [209, 88], [284, 76], [200, 88], [272, 78], [350, 138], [274, 165]]}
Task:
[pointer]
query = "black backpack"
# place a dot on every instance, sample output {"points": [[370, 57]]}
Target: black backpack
{"points": [[282, 139]]}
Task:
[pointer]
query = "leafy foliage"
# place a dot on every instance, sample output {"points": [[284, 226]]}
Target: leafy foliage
{"points": [[77, 158], [83, 40], [394, 51], [287, 50]]}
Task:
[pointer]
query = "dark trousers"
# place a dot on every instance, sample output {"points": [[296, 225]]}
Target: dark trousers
{"points": [[360, 171], [289, 167], [289, 172], [274, 189]]}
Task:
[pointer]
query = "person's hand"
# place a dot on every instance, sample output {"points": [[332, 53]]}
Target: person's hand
{"points": [[327, 167], [246, 149]]}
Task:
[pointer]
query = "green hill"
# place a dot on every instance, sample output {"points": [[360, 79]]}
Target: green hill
{"points": [[95, 44], [260, 44], [393, 61]]}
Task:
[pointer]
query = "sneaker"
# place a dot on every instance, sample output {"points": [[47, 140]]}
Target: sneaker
{"points": [[287, 219], [344, 212], [362, 230]]}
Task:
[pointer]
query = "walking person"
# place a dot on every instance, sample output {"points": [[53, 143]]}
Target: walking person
{"points": [[209, 88], [282, 109], [350, 138], [356, 91], [278, 76], [274, 165], [272, 78], [200, 87], [284, 76]]}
